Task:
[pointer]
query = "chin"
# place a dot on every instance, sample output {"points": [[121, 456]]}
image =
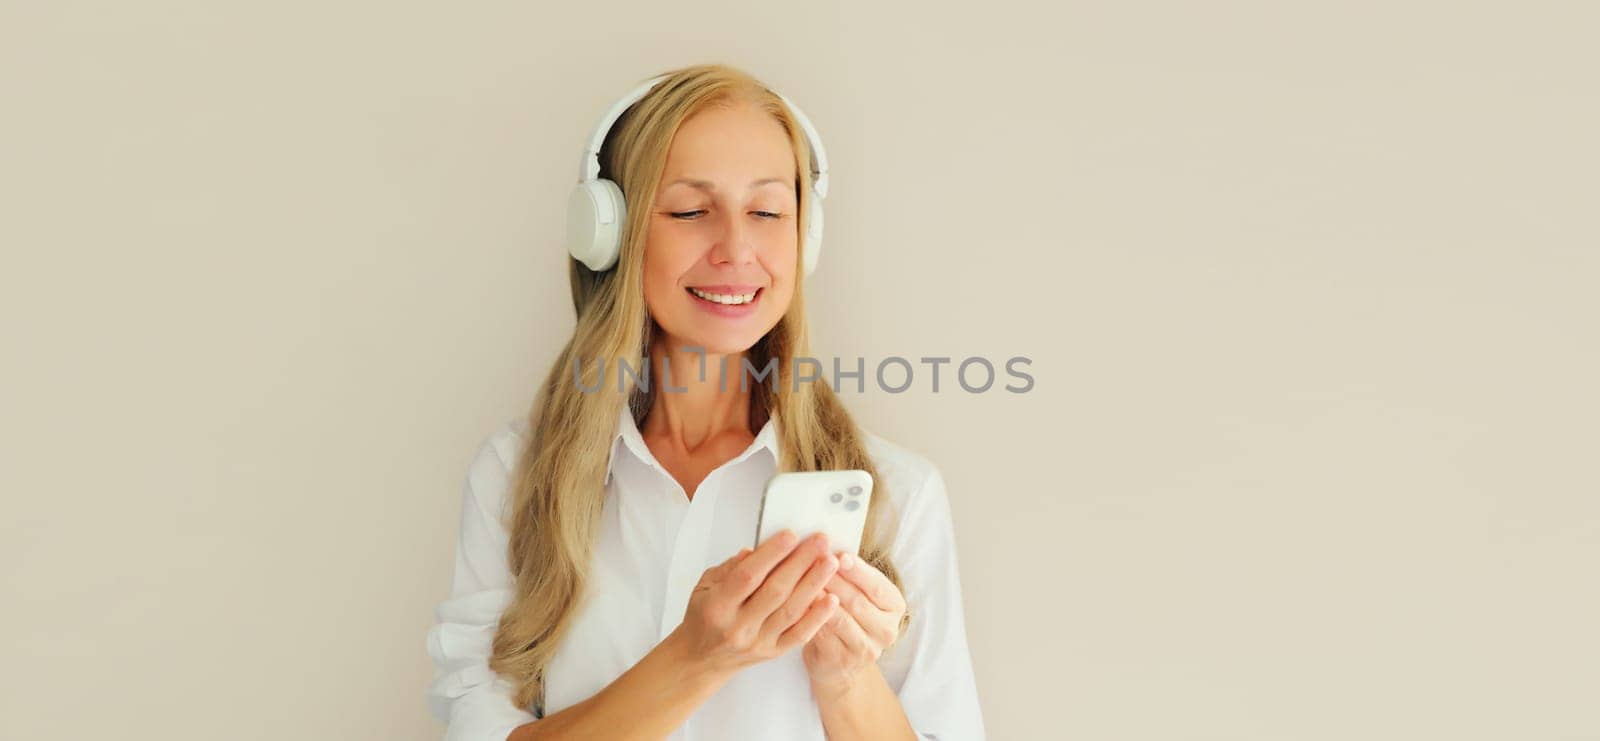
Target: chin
{"points": [[724, 345], [722, 336]]}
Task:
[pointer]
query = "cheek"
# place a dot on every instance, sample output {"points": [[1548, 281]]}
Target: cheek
{"points": [[781, 258], [665, 260], [782, 263]]}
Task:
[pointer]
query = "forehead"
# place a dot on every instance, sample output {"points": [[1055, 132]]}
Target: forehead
{"points": [[730, 143]]}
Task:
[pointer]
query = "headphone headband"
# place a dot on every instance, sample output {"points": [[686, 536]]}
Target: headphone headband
{"points": [[590, 167]]}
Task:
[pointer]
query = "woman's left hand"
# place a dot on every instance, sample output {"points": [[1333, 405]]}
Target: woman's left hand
{"points": [[865, 625]]}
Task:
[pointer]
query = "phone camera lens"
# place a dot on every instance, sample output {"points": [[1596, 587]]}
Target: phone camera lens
{"points": [[852, 505], [855, 491], [836, 497]]}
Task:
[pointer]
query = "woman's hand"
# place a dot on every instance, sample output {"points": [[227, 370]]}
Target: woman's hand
{"points": [[867, 623], [759, 603]]}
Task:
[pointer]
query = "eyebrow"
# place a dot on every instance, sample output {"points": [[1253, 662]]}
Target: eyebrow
{"points": [[707, 186]]}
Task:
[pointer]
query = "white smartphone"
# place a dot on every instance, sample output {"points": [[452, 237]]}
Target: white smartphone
{"points": [[806, 502]]}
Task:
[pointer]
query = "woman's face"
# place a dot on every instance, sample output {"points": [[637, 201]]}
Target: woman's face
{"points": [[721, 250]]}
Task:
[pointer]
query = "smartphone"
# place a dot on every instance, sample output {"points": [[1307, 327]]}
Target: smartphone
{"points": [[806, 502]]}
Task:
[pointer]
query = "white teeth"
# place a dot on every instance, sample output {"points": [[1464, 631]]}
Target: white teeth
{"points": [[742, 298]]}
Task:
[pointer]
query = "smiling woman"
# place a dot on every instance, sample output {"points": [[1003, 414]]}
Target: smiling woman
{"points": [[603, 586], [720, 267]]}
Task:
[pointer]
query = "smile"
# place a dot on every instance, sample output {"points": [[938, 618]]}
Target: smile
{"points": [[726, 299]]}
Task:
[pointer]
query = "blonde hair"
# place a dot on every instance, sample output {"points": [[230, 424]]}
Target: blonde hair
{"points": [[558, 484]]}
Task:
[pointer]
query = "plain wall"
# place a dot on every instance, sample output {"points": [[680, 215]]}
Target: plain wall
{"points": [[1309, 291]]}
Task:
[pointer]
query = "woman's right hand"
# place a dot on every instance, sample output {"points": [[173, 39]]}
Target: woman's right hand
{"points": [[759, 603]]}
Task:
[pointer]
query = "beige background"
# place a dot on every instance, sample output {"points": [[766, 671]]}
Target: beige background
{"points": [[1310, 291]]}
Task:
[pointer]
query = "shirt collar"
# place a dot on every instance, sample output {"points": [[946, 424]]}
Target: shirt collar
{"points": [[628, 438]]}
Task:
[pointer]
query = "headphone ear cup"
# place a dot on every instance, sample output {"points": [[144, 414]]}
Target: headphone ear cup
{"points": [[596, 212], [811, 246]]}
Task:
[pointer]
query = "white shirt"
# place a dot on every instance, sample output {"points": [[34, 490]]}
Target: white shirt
{"points": [[654, 543]]}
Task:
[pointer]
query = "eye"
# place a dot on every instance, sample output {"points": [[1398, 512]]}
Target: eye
{"points": [[691, 215]]}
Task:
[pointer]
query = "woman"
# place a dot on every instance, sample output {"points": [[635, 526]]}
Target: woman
{"points": [[604, 586]]}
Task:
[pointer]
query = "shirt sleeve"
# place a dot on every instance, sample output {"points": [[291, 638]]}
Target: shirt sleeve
{"points": [[930, 666], [472, 700]]}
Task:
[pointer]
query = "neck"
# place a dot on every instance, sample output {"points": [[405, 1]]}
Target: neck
{"points": [[695, 400]]}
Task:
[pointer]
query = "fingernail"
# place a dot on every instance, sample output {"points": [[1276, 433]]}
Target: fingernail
{"points": [[846, 561]]}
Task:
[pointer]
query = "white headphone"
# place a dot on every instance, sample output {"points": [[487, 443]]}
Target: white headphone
{"points": [[596, 210]]}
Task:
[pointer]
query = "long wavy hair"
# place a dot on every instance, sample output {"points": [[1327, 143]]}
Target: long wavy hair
{"points": [[558, 484]]}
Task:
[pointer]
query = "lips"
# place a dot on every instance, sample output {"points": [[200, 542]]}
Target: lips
{"points": [[727, 305], [725, 295]]}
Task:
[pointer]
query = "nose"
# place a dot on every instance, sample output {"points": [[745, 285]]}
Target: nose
{"points": [[733, 235]]}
